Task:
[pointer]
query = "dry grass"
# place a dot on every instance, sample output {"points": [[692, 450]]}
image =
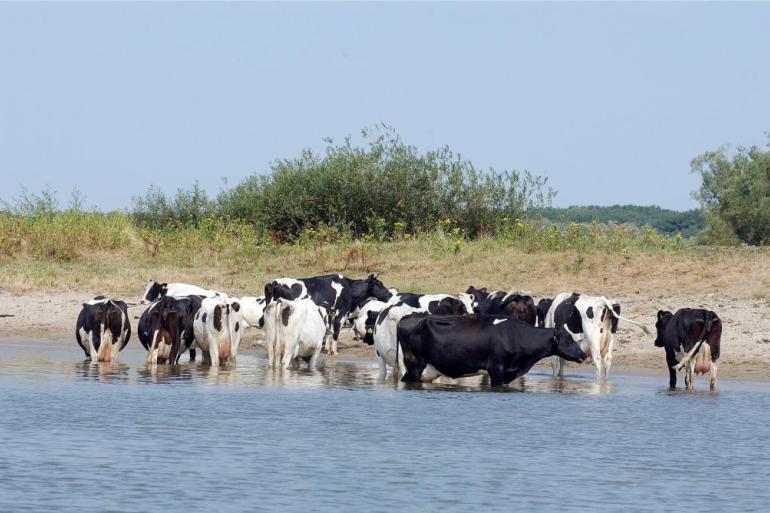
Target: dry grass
{"points": [[420, 266]]}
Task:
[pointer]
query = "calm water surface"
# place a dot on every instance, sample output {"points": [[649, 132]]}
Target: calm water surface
{"points": [[98, 437]]}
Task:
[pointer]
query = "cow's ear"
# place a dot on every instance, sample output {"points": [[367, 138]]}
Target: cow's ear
{"points": [[661, 313], [85, 305]]}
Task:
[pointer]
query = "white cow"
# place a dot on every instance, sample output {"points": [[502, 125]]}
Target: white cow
{"points": [[218, 328], [592, 321], [253, 311], [154, 290], [294, 330]]}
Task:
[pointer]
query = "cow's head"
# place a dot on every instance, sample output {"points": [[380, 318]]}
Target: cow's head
{"points": [[153, 291], [469, 301], [479, 295], [371, 320], [564, 345], [376, 289], [664, 317]]}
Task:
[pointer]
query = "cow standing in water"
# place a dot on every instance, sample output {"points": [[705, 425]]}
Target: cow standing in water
{"points": [[218, 327], [691, 338], [338, 294], [594, 321], [102, 328]]}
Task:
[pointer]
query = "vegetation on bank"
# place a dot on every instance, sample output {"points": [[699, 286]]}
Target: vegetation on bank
{"points": [[69, 234], [735, 194], [667, 222], [380, 185], [387, 191]]}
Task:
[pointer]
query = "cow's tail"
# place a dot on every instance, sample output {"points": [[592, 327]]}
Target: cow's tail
{"points": [[703, 337], [641, 325]]}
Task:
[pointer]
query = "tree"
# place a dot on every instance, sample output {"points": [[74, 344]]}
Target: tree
{"points": [[735, 193]]}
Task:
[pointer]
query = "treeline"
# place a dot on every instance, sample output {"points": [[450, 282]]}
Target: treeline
{"points": [[735, 194], [667, 222], [380, 185]]}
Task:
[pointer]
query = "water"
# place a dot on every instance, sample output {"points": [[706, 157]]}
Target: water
{"points": [[99, 437]]}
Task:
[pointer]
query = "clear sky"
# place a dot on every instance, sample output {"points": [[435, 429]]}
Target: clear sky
{"points": [[611, 101]]}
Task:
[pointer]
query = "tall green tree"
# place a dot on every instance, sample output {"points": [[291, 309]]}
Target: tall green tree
{"points": [[735, 193]]}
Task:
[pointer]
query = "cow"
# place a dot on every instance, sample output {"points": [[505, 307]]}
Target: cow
{"points": [[512, 304], [356, 314], [359, 323], [340, 295], [691, 338], [381, 329], [594, 321], [253, 311], [218, 327], [442, 304], [149, 323], [155, 290], [102, 328], [166, 328], [542, 310], [294, 330], [458, 346]]}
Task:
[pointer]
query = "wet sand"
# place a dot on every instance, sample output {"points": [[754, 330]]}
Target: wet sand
{"points": [[50, 317]]}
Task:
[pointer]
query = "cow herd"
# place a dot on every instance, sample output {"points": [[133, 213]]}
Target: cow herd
{"points": [[420, 336]]}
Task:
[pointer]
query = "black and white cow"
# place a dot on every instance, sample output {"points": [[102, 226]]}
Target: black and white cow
{"points": [[512, 304], [340, 295], [218, 327], [166, 328], [102, 328], [691, 338], [155, 290], [542, 310], [294, 330], [594, 321], [458, 346], [381, 328]]}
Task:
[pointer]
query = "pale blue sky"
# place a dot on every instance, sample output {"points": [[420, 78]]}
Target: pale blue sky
{"points": [[611, 101]]}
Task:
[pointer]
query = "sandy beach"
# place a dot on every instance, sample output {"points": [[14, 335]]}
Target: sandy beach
{"points": [[50, 317]]}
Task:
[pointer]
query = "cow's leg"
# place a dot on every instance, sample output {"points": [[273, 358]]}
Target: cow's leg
{"points": [[671, 363], [214, 352], [206, 356], [496, 375], [414, 368], [713, 376], [689, 375], [336, 334], [314, 359], [192, 354], [557, 365], [383, 367], [608, 359]]}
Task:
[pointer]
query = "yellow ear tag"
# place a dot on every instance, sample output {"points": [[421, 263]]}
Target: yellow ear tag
{"points": [[369, 330]]}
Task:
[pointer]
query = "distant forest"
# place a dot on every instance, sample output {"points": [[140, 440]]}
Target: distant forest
{"points": [[666, 221]]}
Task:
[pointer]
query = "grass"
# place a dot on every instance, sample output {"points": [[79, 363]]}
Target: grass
{"points": [[107, 253]]}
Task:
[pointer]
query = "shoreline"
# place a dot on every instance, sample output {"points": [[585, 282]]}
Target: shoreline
{"points": [[49, 317]]}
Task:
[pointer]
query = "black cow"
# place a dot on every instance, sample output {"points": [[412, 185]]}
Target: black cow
{"points": [[102, 328], [691, 338], [542, 310], [459, 346], [338, 294], [172, 318]]}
